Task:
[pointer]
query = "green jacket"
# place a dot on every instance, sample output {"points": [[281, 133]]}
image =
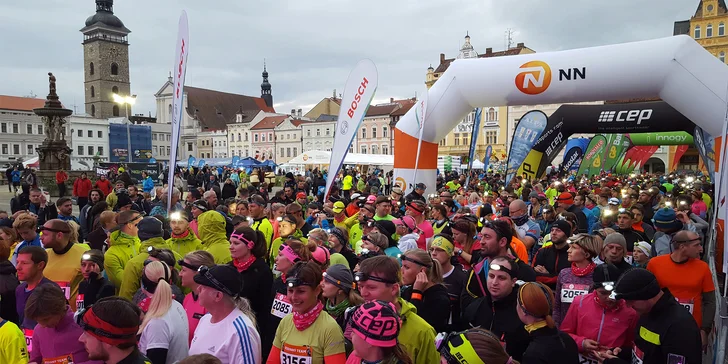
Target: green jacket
{"points": [[122, 248], [417, 336], [211, 229], [133, 270], [279, 241], [185, 244], [111, 199]]}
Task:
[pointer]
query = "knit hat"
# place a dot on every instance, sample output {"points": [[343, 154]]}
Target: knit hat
{"points": [[377, 239], [95, 256], [637, 284], [201, 205], [371, 199], [666, 219], [321, 255], [301, 195], [149, 228], [387, 228], [533, 194], [377, 323], [565, 198], [122, 200], [606, 272], [562, 225], [443, 243], [407, 221], [644, 247], [616, 238], [340, 276]]}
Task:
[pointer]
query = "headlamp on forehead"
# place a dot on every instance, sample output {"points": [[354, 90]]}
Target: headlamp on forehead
{"points": [[361, 277], [501, 268], [524, 181], [683, 202], [296, 282], [632, 175], [668, 203], [690, 179], [622, 210], [607, 212], [86, 257], [609, 286], [175, 216]]}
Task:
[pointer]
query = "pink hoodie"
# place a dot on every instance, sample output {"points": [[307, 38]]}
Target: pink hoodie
{"points": [[587, 319]]}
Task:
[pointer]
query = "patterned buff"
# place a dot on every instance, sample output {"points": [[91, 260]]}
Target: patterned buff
{"points": [[241, 265], [581, 272], [304, 320]]}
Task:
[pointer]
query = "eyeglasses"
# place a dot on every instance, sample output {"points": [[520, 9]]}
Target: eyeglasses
{"points": [[361, 277], [205, 271]]}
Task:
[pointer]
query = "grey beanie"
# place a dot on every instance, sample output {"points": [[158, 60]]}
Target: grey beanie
{"points": [[149, 228], [616, 238], [340, 276]]}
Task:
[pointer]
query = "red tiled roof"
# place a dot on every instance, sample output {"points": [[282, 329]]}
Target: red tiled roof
{"points": [[215, 109], [510, 52], [403, 110], [269, 122], [386, 109], [444, 65], [297, 122], [20, 103]]}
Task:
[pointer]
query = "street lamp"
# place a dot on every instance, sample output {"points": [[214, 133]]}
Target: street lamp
{"points": [[126, 101]]}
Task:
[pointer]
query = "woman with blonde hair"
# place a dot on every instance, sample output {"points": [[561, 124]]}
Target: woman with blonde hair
{"points": [[164, 330], [191, 304], [10, 236], [577, 279], [422, 278], [534, 306]]}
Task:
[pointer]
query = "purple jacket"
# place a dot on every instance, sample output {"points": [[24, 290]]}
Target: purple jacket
{"points": [[60, 341], [568, 286]]}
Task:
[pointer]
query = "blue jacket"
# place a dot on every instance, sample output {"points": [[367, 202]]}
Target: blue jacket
{"points": [[16, 176], [148, 184]]}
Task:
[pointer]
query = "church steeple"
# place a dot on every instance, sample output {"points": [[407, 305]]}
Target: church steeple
{"points": [[265, 88]]}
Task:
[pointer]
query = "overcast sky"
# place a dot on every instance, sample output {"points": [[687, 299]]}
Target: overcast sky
{"points": [[310, 45]]}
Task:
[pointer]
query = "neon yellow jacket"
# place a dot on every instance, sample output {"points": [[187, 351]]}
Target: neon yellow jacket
{"points": [[134, 268], [211, 229], [122, 248], [417, 336], [185, 244]]}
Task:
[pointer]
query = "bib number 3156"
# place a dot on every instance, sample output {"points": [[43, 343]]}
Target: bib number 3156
{"points": [[291, 354]]}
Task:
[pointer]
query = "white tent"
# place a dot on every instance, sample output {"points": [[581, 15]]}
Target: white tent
{"points": [[311, 157], [324, 157], [478, 164]]}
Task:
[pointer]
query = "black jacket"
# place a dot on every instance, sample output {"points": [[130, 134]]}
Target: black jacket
{"points": [[434, 307], [455, 283], [632, 236], [551, 346], [554, 260], [582, 223], [228, 191], [267, 336], [257, 280], [676, 332], [8, 284], [501, 318], [94, 289], [97, 239], [472, 289], [44, 214], [350, 257], [414, 196]]}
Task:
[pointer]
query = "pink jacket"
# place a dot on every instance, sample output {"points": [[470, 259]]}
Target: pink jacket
{"points": [[587, 319]]}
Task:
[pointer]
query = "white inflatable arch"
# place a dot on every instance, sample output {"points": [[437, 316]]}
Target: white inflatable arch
{"points": [[676, 69]]}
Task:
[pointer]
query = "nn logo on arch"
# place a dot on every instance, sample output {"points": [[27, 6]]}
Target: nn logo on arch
{"points": [[535, 76]]}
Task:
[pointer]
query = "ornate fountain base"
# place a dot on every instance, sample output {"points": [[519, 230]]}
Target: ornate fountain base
{"points": [[54, 155]]}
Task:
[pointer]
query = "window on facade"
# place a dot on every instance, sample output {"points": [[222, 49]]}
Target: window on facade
{"points": [[80, 150], [101, 151], [374, 133], [169, 137], [29, 129], [90, 133], [270, 137], [93, 91], [91, 70], [385, 149], [170, 111], [93, 110], [697, 32], [15, 129], [709, 30], [721, 56], [384, 132], [5, 149], [308, 132], [80, 133], [363, 133], [721, 29], [16, 149], [40, 130], [255, 138], [4, 127], [295, 151], [457, 140], [168, 150], [328, 131], [100, 134], [288, 152], [90, 150], [30, 149], [491, 115], [351, 149], [246, 136], [189, 147], [318, 132], [115, 90], [262, 137], [363, 149], [375, 149], [155, 150], [283, 152], [115, 110], [239, 137], [114, 69], [247, 153]]}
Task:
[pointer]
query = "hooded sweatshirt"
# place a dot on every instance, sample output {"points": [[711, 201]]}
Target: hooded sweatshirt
{"points": [[59, 343], [185, 243], [123, 248], [589, 319], [211, 228], [133, 270]]}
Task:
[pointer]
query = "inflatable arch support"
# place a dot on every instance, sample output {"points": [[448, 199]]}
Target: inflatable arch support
{"points": [[676, 69]]}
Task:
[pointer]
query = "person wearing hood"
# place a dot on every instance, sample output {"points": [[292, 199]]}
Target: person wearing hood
{"points": [[183, 239], [596, 321], [94, 285], [151, 234], [123, 245], [496, 311], [94, 196], [667, 224], [211, 230], [147, 182]]}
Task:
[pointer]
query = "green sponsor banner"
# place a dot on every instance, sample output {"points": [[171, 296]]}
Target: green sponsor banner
{"points": [[614, 150], [592, 161], [663, 138]]}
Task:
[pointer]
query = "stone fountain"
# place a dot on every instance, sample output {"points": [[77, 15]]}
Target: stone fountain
{"points": [[54, 153]]}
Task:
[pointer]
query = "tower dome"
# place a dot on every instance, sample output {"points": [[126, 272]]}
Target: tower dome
{"points": [[105, 15]]}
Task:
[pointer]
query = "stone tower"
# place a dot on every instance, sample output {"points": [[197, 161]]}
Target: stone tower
{"points": [[105, 61], [265, 92]]}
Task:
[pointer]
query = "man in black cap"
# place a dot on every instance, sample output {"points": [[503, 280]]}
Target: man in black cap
{"points": [[417, 193], [666, 332], [550, 260], [226, 333]]}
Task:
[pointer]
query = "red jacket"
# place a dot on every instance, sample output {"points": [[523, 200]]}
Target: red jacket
{"points": [[587, 319], [104, 186], [81, 187], [61, 177]]}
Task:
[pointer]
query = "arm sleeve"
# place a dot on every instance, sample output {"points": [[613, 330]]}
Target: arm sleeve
{"points": [[129, 282], [157, 335], [683, 338], [113, 268], [157, 356], [557, 301], [274, 357], [708, 309], [428, 353], [14, 350], [699, 223]]}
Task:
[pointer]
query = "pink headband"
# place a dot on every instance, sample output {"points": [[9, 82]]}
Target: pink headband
{"points": [[242, 238], [288, 252]]}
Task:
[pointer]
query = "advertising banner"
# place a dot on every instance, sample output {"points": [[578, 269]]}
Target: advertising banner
{"points": [[615, 149], [706, 148], [473, 142], [234, 162], [420, 115], [358, 93], [201, 163], [529, 128], [181, 52], [191, 161], [663, 138], [591, 164], [572, 157], [134, 169], [677, 154], [488, 154]]}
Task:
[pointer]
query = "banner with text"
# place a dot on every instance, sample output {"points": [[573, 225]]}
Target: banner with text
{"points": [[358, 93], [181, 52], [706, 148], [488, 154], [529, 128], [591, 163], [618, 144], [473, 142], [571, 158]]}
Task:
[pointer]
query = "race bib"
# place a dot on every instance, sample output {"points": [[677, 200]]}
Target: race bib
{"points": [[65, 359], [587, 360], [687, 303], [571, 291], [28, 339], [637, 355], [66, 288], [281, 307], [79, 302], [291, 354]]}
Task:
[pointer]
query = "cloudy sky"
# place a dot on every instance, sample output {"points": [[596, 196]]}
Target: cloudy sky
{"points": [[309, 45]]}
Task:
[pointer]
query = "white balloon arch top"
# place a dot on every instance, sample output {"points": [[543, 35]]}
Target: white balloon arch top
{"points": [[676, 69]]}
